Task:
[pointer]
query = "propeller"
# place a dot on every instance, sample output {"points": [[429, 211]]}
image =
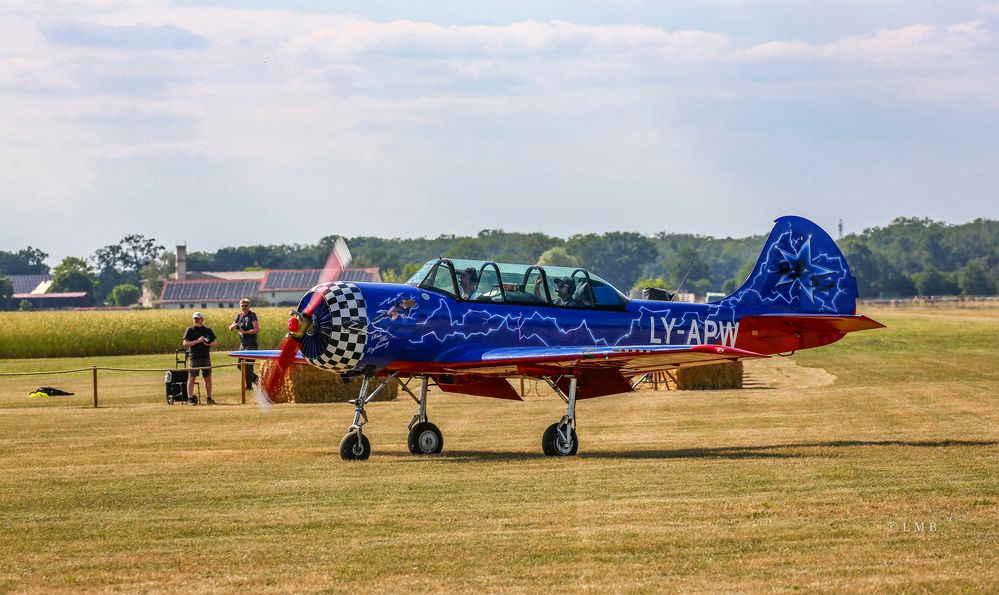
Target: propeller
{"points": [[300, 322]]}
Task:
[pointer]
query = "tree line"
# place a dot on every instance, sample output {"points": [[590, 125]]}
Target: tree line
{"points": [[113, 275], [908, 257]]}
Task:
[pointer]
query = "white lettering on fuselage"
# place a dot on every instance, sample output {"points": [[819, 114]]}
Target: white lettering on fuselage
{"points": [[708, 332], [668, 324]]}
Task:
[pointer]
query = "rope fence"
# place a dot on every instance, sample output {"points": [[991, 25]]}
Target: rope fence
{"points": [[94, 369]]}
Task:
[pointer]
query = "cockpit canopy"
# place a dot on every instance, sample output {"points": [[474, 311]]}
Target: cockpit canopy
{"points": [[497, 282]]}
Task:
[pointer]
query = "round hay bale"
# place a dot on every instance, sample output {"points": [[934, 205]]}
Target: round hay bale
{"points": [[710, 377], [307, 384]]}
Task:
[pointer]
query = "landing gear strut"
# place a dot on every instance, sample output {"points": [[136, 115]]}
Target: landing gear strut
{"points": [[560, 438], [355, 446], [424, 437]]}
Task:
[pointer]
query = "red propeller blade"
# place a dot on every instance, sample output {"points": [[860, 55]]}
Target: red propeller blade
{"points": [[338, 260], [313, 303], [281, 365], [336, 263]]}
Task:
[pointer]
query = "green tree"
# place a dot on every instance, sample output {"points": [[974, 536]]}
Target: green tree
{"points": [[741, 276], [393, 276], [120, 263], [72, 274], [155, 274], [29, 261], [864, 266], [25, 306], [558, 256], [686, 267], [932, 282], [124, 295], [619, 257], [6, 293], [973, 279]]}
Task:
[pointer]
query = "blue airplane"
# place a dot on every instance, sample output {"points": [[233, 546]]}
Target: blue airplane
{"points": [[470, 325]]}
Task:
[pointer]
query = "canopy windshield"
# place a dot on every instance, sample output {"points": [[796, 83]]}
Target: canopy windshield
{"points": [[485, 281]]}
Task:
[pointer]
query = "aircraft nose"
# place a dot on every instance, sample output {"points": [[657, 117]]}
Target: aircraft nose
{"points": [[337, 337]]}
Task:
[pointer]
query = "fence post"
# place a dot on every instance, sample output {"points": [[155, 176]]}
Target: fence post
{"points": [[95, 386], [242, 381]]}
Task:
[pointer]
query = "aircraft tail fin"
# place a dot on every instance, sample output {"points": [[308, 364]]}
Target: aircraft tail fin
{"points": [[801, 270]]}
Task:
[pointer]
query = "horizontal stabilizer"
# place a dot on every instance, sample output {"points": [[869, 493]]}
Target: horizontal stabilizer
{"points": [[265, 354], [783, 333]]}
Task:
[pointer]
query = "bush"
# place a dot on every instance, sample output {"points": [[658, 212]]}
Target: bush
{"points": [[124, 295], [6, 293]]}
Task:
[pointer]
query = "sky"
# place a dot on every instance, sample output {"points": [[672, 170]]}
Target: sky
{"points": [[234, 123]]}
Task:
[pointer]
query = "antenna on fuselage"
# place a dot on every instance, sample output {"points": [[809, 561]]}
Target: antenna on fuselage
{"points": [[682, 281]]}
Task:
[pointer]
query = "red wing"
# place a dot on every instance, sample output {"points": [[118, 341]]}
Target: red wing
{"points": [[549, 361]]}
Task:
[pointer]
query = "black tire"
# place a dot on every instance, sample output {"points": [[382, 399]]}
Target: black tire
{"points": [[425, 439], [352, 450], [553, 446]]}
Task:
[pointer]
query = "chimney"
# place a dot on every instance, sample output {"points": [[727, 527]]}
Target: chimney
{"points": [[182, 262]]}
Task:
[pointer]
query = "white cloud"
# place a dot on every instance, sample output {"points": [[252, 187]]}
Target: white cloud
{"points": [[907, 44], [316, 108], [137, 36], [518, 39], [989, 10]]}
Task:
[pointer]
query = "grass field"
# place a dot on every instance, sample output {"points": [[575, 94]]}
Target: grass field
{"points": [[884, 480]]}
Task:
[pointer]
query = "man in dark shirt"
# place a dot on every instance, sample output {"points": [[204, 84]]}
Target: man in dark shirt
{"points": [[198, 340], [247, 325]]}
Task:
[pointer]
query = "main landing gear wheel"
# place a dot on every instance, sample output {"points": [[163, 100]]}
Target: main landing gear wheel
{"points": [[555, 443], [425, 439], [355, 447]]}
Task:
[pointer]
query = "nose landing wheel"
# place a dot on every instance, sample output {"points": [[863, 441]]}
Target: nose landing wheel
{"points": [[355, 447]]}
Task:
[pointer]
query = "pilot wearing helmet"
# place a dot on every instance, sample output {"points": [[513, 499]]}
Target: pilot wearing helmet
{"points": [[565, 287], [468, 284]]}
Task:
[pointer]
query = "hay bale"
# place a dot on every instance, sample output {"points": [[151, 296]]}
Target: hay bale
{"points": [[307, 384], [710, 377]]}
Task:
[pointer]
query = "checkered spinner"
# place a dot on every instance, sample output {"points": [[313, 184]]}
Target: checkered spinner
{"points": [[345, 348]]}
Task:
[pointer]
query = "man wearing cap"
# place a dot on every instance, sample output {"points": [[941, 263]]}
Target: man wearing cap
{"points": [[198, 340], [247, 325], [468, 282], [564, 288]]}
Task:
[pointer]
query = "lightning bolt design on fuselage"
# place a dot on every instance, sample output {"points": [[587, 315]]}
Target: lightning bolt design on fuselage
{"points": [[800, 270]]}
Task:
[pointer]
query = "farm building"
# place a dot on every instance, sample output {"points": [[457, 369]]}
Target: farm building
{"points": [[201, 290], [32, 288], [30, 284]]}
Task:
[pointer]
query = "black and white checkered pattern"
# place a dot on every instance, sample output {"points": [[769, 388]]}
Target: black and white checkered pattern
{"points": [[345, 349]]}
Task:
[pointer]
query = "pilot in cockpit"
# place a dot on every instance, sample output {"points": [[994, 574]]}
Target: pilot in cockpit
{"points": [[565, 287], [468, 283]]}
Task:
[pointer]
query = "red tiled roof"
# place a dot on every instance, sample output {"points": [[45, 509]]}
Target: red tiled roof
{"points": [[49, 296]]}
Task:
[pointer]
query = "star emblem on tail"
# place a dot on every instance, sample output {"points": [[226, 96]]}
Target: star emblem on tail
{"points": [[798, 267]]}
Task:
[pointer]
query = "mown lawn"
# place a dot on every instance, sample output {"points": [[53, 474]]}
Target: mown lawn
{"points": [[885, 480]]}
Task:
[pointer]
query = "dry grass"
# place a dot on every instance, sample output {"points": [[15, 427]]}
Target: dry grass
{"points": [[789, 488]]}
